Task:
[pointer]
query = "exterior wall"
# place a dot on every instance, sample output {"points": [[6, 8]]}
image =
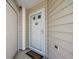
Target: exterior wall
{"points": [[60, 29], [11, 29], [42, 4]]}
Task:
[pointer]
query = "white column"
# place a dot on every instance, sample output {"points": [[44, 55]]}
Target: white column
{"points": [[23, 28]]}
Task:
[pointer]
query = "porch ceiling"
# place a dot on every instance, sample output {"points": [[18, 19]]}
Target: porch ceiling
{"points": [[28, 3]]}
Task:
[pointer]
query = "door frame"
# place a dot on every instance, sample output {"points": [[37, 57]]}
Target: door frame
{"points": [[44, 40]]}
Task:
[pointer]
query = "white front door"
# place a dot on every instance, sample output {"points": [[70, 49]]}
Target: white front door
{"points": [[37, 32]]}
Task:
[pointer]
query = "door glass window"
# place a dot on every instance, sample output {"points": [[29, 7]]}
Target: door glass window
{"points": [[39, 16], [36, 23], [33, 18]]}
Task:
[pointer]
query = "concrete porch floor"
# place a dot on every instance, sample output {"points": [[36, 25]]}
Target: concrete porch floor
{"points": [[22, 55]]}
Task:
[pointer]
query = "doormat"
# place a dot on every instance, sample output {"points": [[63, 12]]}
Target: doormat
{"points": [[34, 55]]}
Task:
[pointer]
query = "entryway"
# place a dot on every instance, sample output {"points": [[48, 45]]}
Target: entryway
{"points": [[37, 31]]}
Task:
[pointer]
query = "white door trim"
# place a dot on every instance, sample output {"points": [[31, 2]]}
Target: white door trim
{"points": [[44, 45]]}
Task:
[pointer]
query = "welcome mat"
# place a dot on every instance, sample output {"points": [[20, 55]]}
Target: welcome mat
{"points": [[34, 55]]}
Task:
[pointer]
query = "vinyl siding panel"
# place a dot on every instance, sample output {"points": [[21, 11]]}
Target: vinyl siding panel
{"points": [[40, 5], [60, 29]]}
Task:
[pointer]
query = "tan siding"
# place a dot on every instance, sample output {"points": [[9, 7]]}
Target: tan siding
{"points": [[42, 4], [60, 29]]}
